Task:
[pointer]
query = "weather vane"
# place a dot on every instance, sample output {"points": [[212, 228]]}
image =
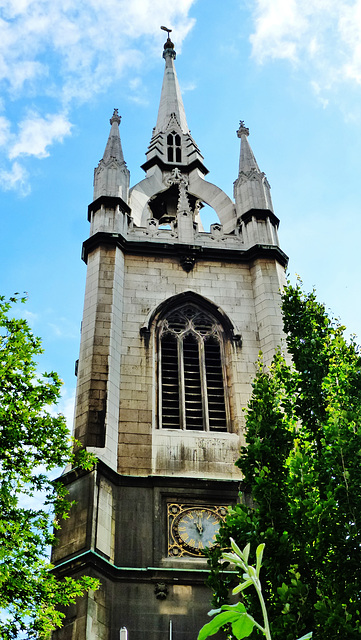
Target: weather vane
{"points": [[166, 29]]}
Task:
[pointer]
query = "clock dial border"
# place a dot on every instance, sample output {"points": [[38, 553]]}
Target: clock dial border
{"points": [[194, 516]]}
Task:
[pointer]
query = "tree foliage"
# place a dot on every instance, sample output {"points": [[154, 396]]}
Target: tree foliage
{"points": [[302, 466], [32, 443]]}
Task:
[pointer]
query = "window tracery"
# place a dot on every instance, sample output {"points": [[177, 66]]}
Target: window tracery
{"points": [[192, 371]]}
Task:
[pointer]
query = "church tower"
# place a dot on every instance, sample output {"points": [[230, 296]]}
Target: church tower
{"points": [[174, 319]]}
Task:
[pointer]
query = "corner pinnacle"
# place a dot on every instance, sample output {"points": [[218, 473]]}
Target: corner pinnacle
{"points": [[243, 130], [115, 117]]}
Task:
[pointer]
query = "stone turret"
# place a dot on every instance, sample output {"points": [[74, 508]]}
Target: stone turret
{"points": [[111, 177], [253, 197], [251, 189], [108, 211]]}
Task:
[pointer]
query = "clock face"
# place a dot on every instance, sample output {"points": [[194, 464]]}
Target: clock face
{"points": [[193, 529], [197, 528]]}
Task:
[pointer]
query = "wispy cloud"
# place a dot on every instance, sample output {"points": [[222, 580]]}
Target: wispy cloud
{"points": [[137, 91], [64, 328], [29, 316], [65, 52], [4, 131], [36, 134], [15, 177], [188, 86], [66, 406], [323, 37], [280, 28]]}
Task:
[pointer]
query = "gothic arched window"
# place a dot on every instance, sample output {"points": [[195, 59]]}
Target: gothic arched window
{"points": [[174, 151], [192, 371]]}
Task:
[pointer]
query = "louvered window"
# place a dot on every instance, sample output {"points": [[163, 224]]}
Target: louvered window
{"points": [[174, 151], [192, 372], [170, 391]]}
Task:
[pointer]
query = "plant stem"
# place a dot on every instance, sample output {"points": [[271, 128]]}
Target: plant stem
{"points": [[266, 630]]}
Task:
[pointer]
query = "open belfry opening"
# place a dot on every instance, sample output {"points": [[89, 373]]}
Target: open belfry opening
{"points": [[174, 319]]}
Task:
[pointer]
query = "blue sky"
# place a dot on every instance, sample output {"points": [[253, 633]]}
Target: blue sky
{"points": [[291, 69]]}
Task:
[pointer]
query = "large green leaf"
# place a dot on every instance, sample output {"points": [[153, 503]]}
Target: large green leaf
{"points": [[243, 627], [215, 625]]}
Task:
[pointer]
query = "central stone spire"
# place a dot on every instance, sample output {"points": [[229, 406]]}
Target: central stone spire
{"points": [[175, 190], [172, 144], [171, 103]]}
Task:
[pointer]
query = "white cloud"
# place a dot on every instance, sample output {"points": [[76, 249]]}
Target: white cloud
{"points": [[318, 92], [280, 25], [135, 83], [4, 131], [89, 43], [137, 91], [323, 37], [68, 51], [37, 134], [64, 328], [15, 178], [350, 33], [29, 316], [188, 86], [27, 72], [66, 406]]}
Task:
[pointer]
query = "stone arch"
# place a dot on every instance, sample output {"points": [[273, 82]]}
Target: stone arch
{"points": [[212, 195], [215, 198], [156, 314]]}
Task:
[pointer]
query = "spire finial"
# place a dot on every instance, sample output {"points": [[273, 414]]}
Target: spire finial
{"points": [[167, 30], [115, 117], [168, 45], [243, 130]]}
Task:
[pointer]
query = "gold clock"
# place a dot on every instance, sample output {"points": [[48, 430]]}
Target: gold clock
{"points": [[193, 528]]}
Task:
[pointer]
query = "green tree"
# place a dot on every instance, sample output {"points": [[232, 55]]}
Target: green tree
{"points": [[32, 443], [302, 468]]}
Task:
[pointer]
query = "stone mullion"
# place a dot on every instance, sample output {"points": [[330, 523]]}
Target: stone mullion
{"points": [[160, 383], [203, 376], [225, 382], [182, 400]]}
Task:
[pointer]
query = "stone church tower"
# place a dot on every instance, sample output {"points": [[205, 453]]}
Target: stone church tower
{"points": [[174, 319]]}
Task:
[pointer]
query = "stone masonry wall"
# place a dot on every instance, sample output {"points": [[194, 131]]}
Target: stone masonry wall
{"points": [[248, 300]]}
